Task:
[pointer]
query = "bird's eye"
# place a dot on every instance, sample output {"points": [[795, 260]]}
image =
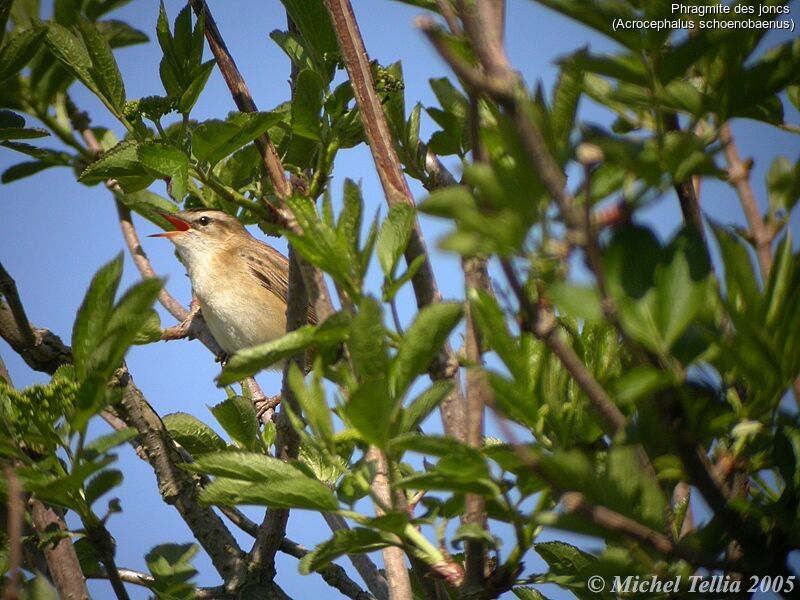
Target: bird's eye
{"points": [[204, 221]]}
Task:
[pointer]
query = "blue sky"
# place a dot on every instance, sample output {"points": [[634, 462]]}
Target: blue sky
{"points": [[55, 233]]}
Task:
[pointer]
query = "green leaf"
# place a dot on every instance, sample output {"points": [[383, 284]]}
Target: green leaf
{"points": [[306, 105], [641, 382], [172, 570], [295, 48], [24, 169], [528, 593], [345, 541], [780, 284], [370, 407], [741, 281], [119, 34], [71, 52], [247, 478], [566, 97], [249, 361], [349, 224], [104, 70], [474, 532], [393, 237], [564, 559], [198, 82], [19, 48], [214, 140], [601, 15], [5, 11], [312, 401], [194, 435], [423, 405], [682, 284], [451, 481], [322, 246], [423, 341], [102, 483], [121, 163], [166, 161], [150, 331], [390, 288], [774, 71], [107, 442], [316, 29], [492, 323], [783, 185], [238, 418], [94, 314], [578, 301]]}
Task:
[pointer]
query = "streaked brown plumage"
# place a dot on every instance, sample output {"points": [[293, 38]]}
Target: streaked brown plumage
{"points": [[241, 283]]}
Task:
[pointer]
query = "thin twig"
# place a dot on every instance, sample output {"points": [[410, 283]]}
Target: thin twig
{"points": [[312, 277], [104, 547], [62, 561], [375, 580], [287, 442], [450, 16], [739, 177], [687, 194], [542, 323], [479, 395], [175, 485], [15, 514], [334, 575], [478, 392], [504, 85], [243, 99], [8, 289], [396, 191], [45, 352], [393, 557], [575, 502]]}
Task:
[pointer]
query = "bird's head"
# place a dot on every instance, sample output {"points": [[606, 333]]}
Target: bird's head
{"points": [[200, 232]]}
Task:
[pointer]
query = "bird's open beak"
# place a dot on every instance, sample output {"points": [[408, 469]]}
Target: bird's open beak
{"points": [[180, 226]]}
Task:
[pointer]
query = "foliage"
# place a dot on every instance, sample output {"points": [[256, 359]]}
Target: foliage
{"points": [[696, 359]]}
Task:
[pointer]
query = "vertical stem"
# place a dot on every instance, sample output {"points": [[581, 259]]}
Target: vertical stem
{"points": [[394, 559], [61, 558], [478, 396], [15, 515], [739, 176], [395, 187]]}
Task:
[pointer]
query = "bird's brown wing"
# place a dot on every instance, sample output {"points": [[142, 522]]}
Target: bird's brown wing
{"points": [[271, 268]]}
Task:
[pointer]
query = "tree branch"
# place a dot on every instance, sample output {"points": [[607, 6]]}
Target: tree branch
{"points": [[65, 569], [243, 99], [575, 502], [376, 582], [261, 559], [739, 177], [394, 559], [542, 323], [312, 277], [39, 348], [175, 485], [396, 191], [15, 517]]}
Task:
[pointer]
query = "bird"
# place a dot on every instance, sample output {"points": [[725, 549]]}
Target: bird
{"points": [[241, 284]]}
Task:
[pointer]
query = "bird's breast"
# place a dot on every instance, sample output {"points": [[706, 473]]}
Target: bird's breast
{"points": [[239, 312]]}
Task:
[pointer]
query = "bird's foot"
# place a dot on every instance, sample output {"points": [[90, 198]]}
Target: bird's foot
{"points": [[266, 405], [184, 328]]}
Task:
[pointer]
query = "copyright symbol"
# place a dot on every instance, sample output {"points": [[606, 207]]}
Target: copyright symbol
{"points": [[596, 583]]}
